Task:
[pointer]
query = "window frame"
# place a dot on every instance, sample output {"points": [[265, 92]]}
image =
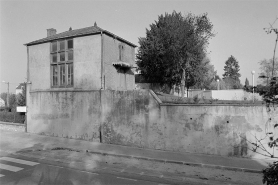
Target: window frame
{"points": [[66, 63]]}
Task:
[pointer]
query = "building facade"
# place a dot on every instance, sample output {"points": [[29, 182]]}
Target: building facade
{"points": [[89, 59], [67, 74]]}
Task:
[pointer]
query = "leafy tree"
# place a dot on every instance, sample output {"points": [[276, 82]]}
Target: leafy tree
{"points": [[266, 70], [231, 74], [231, 68], [214, 84], [231, 83], [12, 102], [217, 77], [270, 175], [21, 98], [207, 77], [173, 45], [246, 82]]}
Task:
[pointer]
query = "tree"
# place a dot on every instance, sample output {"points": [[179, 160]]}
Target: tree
{"points": [[21, 98], [175, 45], [266, 70], [207, 77], [231, 83], [12, 102], [12, 99], [270, 174], [214, 84], [231, 73], [246, 82]]}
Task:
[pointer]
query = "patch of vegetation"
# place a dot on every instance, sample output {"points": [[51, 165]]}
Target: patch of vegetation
{"points": [[270, 174], [13, 117]]}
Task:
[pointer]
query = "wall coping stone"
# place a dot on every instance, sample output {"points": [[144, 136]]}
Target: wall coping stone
{"points": [[240, 104]]}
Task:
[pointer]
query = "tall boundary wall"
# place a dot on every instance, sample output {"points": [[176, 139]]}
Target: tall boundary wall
{"points": [[139, 119]]}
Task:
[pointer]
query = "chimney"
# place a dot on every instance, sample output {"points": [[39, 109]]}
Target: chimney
{"points": [[51, 32]]}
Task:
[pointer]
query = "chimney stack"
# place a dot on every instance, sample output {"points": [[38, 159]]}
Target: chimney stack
{"points": [[51, 32]]}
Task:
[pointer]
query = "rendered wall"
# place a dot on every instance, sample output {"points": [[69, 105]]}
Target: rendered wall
{"points": [[117, 80], [232, 94], [65, 114], [39, 66], [87, 62], [135, 118]]}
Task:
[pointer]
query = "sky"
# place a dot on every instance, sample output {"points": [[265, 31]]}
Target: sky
{"points": [[238, 26]]}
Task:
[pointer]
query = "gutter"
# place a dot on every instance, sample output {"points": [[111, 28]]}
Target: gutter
{"points": [[101, 71], [26, 89], [45, 40]]}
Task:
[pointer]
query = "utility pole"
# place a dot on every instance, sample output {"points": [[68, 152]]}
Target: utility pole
{"points": [[253, 73], [276, 31], [8, 103]]}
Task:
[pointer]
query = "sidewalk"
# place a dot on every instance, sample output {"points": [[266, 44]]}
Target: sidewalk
{"points": [[34, 142]]}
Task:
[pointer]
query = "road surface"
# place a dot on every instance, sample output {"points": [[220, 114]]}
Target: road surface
{"points": [[15, 170]]}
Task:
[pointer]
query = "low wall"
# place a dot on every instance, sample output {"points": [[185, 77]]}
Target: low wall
{"points": [[136, 118], [69, 114]]}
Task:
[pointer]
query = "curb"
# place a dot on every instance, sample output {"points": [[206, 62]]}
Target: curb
{"points": [[152, 159], [166, 161], [10, 123]]}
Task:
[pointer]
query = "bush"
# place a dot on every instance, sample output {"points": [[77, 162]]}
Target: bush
{"points": [[270, 174], [14, 117]]}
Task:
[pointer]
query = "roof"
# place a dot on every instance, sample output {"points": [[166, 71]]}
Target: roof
{"points": [[20, 86], [77, 33]]}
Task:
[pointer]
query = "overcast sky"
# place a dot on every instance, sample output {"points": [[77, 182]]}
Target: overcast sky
{"points": [[238, 24]]}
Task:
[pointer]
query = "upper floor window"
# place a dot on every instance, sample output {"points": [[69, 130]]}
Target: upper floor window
{"points": [[121, 52], [62, 63]]}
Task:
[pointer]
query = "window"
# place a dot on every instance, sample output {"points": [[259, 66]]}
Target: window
{"points": [[62, 63], [121, 51]]}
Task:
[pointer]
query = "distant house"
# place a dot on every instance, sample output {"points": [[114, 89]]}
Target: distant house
{"points": [[19, 88], [2, 103]]}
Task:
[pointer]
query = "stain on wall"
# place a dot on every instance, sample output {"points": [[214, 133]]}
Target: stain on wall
{"points": [[65, 114]]}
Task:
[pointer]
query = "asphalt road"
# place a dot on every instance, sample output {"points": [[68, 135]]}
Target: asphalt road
{"points": [[27, 172], [38, 165]]}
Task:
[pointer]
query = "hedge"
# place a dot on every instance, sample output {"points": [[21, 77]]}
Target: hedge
{"points": [[14, 117]]}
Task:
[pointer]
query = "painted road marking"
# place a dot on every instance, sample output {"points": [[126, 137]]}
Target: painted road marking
{"points": [[19, 161], [126, 179], [2, 175], [10, 168]]}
